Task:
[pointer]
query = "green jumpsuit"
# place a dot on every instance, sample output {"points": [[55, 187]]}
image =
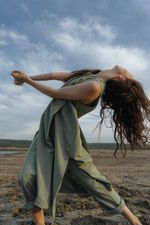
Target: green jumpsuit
{"points": [[58, 159]]}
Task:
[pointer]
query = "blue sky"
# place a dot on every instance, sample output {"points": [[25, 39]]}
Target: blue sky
{"points": [[63, 35]]}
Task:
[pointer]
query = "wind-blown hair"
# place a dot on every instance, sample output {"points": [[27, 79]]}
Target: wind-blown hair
{"points": [[129, 110]]}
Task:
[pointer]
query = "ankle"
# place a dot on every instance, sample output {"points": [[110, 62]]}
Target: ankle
{"points": [[38, 216], [136, 221]]}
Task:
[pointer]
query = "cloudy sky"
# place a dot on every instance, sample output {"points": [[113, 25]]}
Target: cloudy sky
{"points": [[39, 36]]}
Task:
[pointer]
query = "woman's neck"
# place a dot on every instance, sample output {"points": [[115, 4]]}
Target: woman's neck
{"points": [[106, 74]]}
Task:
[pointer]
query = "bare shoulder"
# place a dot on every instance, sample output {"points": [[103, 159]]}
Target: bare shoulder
{"points": [[94, 90], [87, 91], [94, 85]]}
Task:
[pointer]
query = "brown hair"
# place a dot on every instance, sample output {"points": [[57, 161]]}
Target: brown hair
{"points": [[128, 108]]}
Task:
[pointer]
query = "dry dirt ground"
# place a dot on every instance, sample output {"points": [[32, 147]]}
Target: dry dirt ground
{"points": [[130, 177]]}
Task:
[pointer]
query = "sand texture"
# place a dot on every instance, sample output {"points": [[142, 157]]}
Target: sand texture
{"points": [[130, 177]]}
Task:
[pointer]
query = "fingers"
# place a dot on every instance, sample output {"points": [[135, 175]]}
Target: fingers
{"points": [[18, 75], [15, 72], [18, 82]]}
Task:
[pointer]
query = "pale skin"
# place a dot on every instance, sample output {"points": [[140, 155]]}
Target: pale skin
{"points": [[86, 92]]}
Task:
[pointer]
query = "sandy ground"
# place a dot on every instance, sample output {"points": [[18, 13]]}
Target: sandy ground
{"points": [[130, 177]]}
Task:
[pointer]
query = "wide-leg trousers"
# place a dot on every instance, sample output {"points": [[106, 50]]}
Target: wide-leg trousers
{"points": [[83, 173]]}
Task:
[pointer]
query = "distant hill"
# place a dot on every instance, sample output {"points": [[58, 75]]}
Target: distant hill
{"points": [[14, 143], [26, 144], [108, 146], [102, 145]]}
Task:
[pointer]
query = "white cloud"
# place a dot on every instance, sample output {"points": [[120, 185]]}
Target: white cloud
{"points": [[26, 55], [10, 35], [6, 63], [64, 44], [93, 43], [90, 28], [133, 59]]}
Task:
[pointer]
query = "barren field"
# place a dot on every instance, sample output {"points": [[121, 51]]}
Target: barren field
{"points": [[130, 177]]}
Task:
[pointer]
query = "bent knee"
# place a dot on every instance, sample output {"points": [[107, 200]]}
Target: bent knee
{"points": [[25, 177], [28, 184]]}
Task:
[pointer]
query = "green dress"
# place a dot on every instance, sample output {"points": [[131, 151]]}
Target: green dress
{"points": [[58, 159]]}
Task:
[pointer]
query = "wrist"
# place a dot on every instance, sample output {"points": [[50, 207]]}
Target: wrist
{"points": [[32, 77], [28, 80]]}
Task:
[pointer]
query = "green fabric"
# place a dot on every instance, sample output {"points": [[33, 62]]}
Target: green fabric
{"points": [[58, 146]]}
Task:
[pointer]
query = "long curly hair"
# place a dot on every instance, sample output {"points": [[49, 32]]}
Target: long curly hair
{"points": [[128, 108]]}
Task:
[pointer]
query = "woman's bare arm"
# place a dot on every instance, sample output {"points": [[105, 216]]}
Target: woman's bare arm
{"points": [[87, 91], [62, 76]]}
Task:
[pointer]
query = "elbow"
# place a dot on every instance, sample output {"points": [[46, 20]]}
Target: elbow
{"points": [[55, 94]]}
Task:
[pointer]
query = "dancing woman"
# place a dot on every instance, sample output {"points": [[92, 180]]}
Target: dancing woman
{"points": [[58, 159]]}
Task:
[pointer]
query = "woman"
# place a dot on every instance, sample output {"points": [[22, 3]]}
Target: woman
{"points": [[58, 158]]}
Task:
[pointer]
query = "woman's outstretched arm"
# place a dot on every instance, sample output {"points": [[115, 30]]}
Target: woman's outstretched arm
{"points": [[86, 92], [62, 76]]}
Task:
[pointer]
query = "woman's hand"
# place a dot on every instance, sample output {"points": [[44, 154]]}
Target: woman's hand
{"points": [[19, 77]]}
